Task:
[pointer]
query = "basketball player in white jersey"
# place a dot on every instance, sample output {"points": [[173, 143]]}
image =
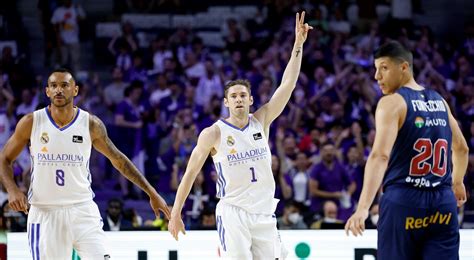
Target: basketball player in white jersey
{"points": [[63, 215], [239, 147]]}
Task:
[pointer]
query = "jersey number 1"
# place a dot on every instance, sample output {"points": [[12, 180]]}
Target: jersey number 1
{"points": [[439, 152], [254, 179]]}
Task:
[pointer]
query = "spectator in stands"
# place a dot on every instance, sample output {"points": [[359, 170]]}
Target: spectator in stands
{"points": [[160, 54], [123, 57], [114, 92], [66, 22], [194, 68], [127, 40], [297, 178], [209, 85], [339, 24], [29, 102], [114, 219], [283, 191], [138, 71], [129, 124], [132, 215], [6, 118], [208, 219], [330, 219], [159, 90], [292, 218], [355, 169], [330, 181], [46, 7]]}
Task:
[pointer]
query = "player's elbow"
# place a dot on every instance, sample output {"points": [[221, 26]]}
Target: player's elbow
{"points": [[379, 156], [460, 148], [4, 159]]}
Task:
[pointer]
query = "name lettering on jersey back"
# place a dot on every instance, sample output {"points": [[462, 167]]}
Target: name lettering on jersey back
{"points": [[62, 159], [418, 223], [243, 157], [428, 106]]}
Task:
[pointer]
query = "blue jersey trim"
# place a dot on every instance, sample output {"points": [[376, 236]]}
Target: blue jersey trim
{"points": [[235, 127], [66, 126]]}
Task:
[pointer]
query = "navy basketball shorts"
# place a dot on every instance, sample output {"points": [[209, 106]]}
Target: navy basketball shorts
{"points": [[418, 233]]}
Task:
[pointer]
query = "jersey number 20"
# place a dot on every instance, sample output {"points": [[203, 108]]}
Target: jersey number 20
{"points": [[420, 166]]}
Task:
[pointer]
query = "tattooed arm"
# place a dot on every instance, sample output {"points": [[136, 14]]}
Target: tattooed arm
{"points": [[104, 145], [268, 112]]}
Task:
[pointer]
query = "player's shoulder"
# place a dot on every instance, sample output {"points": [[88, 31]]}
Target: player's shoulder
{"points": [[211, 132], [96, 126], [392, 101], [26, 120], [25, 125]]}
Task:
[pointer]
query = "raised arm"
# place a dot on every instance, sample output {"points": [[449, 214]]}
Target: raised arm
{"points": [[104, 145], [205, 144], [268, 112], [460, 159], [16, 198], [389, 116]]}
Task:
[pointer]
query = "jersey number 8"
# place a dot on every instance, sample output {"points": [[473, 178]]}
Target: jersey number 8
{"points": [[60, 177]]}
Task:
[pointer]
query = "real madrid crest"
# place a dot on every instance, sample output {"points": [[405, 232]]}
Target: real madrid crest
{"points": [[230, 141], [44, 139]]}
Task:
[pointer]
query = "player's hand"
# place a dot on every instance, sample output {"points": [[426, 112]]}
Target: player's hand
{"points": [[301, 29], [175, 225], [460, 193], [17, 200], [159, 204], [356, 223]]}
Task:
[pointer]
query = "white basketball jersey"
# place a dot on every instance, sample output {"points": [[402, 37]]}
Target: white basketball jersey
{"points": [[60, 160], [243, 164]]}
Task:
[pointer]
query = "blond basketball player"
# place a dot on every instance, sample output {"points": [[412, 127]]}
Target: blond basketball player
{"points": [[239, 147], [63, 215]]}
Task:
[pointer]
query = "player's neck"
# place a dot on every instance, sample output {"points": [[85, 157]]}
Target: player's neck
{"points": [[239, 122], [62, 115], [411, 83]]}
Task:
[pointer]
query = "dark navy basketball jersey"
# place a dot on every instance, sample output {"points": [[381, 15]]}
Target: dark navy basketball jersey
{"points": [[421, 155]]}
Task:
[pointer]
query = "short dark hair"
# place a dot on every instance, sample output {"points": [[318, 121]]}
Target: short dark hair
{"points": [[232, 83], [396, 51], [135, 84], [115, 200], [64, 70]]}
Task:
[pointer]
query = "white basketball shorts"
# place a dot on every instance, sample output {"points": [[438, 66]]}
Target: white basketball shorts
{"points": [[54, 232], [244, 235]]}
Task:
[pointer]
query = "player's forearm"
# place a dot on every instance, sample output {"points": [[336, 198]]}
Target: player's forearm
{"points": [[373, 177], [6, 174], [130, 171], [325, 194], [352, 188], [183, 191], [460, 162], [292, 70]]}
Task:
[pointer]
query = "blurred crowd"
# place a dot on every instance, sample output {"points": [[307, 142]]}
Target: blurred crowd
{"points": [[156, 99]]}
